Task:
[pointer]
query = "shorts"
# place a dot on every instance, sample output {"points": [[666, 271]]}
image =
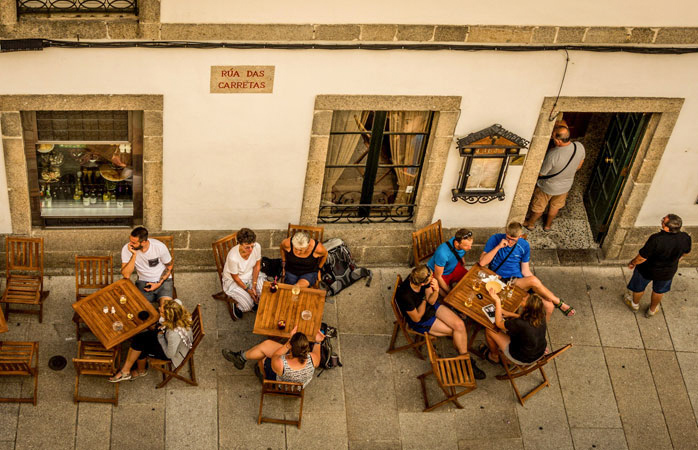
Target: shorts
{"points": [[540, 200], [148, 344], [424, 325], [638, 283], [293, 279], [165, 290], [454, 277], [505, 350], [269, 373]]}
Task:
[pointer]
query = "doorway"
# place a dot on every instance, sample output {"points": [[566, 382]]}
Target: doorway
{"points": [[611, 141]]}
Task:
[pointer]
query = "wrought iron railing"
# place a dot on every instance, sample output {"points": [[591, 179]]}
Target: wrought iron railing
{"points": [[366, 213], [77, 6]]}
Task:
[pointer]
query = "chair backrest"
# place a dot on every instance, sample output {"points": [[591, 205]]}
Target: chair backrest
{"points": [[425, 241], [449, 372], [221, 248], [92, 273], [197, 328], [25, 255], [16, 357], [316, 233], [393, 302], [282, 388]]}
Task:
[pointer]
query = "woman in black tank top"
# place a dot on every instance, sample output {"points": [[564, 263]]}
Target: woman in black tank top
{"points": [[301, 262]]}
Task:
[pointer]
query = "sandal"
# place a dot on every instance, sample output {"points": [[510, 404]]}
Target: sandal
{"points": [[485, 351], [138, 374], [569, 312], [120, 377], [530, 228]]}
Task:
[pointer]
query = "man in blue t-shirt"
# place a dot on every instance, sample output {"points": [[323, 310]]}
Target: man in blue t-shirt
{"points": [[448, 261], [509, 255]]}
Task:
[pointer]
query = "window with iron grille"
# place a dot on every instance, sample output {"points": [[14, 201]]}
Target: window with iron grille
{"points": [[373, 166], [77, 6]]}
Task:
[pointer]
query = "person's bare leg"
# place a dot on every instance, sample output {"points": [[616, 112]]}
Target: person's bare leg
{"points": [[532, 219], [656, 300], [140, 367], [264, 349], [495, 341], [302, 282], [552, 213], [131, 358], [637, 296], [549, 299], [455, 323]]}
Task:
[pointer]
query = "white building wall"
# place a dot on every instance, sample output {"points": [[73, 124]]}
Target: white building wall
{"points": [[638, 13], [239, 159], [5, 218]]}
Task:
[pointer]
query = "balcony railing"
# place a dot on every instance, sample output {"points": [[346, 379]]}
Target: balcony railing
{"points": [[77, 6]]}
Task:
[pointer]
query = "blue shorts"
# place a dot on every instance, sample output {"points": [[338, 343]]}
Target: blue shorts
{"points": [[293, 279], [424, 325], [269, 373], [638, 283]]}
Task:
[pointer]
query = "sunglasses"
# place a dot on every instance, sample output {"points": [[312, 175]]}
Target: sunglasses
{"points": [[427, 277]]}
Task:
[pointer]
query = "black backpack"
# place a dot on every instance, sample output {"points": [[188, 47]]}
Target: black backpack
{"points": [[340, 270], [326, 350], [272, 267]]}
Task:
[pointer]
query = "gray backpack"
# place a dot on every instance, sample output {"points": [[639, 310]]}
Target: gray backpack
{"points": [[340, 269]]}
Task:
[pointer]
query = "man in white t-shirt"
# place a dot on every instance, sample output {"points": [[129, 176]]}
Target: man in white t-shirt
{"points": [[152, 262], [242, 276]]}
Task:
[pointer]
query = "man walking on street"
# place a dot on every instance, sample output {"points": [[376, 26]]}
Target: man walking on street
{"points": [[556, 178], [657, 261]]}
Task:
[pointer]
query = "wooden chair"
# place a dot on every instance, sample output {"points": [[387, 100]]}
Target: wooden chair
{"points": [[425, 241], [316, 233], [280, 389], [165, 367], [94, 359], [92, 273], [24, 272], [450, 374], [414, 339], [513, 371], [169, 242], [221, 248], [16, 359]]}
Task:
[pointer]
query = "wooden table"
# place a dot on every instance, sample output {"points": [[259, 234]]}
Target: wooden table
{"points": [[90, 309], [464, 288], [280, 306]]}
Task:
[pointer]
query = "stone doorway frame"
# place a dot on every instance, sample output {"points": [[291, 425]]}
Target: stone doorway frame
{"points": [[665, 112]]}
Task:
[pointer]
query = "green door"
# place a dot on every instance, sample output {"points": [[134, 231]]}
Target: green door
{"points": [[618, 150]]}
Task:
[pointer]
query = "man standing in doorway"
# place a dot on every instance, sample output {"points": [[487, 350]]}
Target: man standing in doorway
{"points": [[556, 177], [657, 261]]}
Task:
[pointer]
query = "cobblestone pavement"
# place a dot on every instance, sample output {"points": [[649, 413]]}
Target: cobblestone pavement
{"points": [[628, 382]]}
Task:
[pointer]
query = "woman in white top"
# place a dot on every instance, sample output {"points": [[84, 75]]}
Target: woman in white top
{"points": [[242, 276], [172, 340]]}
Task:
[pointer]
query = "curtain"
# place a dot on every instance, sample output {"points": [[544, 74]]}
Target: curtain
{"points": [[404, 148], [342, 146]]}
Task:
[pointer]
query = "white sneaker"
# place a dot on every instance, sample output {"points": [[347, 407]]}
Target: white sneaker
{"points": [[628, 300], [649, 313]]}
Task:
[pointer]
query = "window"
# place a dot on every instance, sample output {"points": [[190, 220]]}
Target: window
{"points": [[77, 6], [84, 167], [374, 161]]}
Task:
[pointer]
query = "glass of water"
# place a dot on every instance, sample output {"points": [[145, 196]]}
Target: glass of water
{"points": [[306, 314]]}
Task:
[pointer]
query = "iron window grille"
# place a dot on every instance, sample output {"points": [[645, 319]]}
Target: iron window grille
{"points": [[486, 155], [369, 204], [77, 6]]}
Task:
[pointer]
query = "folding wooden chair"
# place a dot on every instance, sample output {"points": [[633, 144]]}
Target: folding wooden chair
{"points": [[425, 241], [280, 389], [92, 273], [450, 373], [316, 233], [513, 370], [414, 339], [16, 359], [24, 272], [221, 248], [169, 242], [94, 359], [165, 367]]}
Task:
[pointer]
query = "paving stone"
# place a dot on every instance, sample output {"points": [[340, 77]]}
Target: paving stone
{"points": [[568, 283], [368, 387], [616, 324], [488, 411], [94, 426], [637, 399], [360, 309], [375, 445], [599, 439], [688, 363], [238, 407], [491, 443], [543, 419], [655, 331], [191, 419], [686, 279], [586, 388], [319, 430], [680, 312], [325, 393], [674, 399], [9, 412], [140, 425], [435, 430]]}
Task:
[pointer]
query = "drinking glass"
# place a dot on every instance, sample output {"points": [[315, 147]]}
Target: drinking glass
{"points": [[122, 299], [117, 326], [306, 314], [477, 285], [468, 300], [295, 290]]}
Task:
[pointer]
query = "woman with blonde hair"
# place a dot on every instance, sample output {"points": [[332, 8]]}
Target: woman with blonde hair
{"points": [[170, 340], [522, 336]]}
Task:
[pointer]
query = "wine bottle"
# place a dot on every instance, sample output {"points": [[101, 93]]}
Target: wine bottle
{"points": [[93, 197], [49, 198]]}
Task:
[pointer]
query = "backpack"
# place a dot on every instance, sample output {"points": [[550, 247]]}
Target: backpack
{"points": [[326, 350], [340, 270], [271, 267]]}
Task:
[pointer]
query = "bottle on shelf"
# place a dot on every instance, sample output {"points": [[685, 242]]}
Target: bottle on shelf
{"points": [[93, 197], [106, 198], [48, 199]]}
